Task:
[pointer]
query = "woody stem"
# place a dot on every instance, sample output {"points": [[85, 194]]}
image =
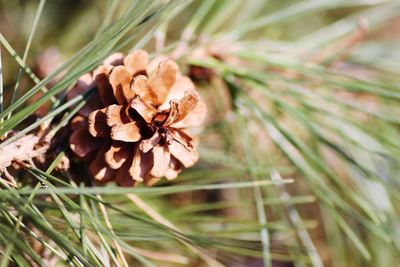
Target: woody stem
{"points": [[23, 149]]}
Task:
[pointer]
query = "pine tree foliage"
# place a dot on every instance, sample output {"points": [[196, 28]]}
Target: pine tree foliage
{"points": [[299, 155]]}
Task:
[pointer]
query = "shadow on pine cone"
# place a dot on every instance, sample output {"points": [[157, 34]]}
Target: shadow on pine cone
{"points": [[133, 129]]}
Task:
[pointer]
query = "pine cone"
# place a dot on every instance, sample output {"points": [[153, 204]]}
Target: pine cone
{"points": [[133, 129]]}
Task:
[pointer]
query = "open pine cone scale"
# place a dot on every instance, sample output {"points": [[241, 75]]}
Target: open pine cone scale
{"points": [[134, 129]]}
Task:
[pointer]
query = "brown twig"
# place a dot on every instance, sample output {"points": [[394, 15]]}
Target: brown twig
{"points": [[342, 47], [164, 257], [24, 149], [109, 226], [9, 178]]}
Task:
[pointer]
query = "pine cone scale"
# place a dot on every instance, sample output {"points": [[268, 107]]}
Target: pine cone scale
{"points": [[97, 123], [147, 112], [98, 168], [187, 158], [136, 62], [120, 80], [104, 87], [82, 143], [163, 80], [161, 165], [128, 132], [117, 115], [141, 87], [117, 154]]}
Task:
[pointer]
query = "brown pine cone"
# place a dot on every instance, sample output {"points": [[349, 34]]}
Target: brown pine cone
{"points": [[133, 129]]}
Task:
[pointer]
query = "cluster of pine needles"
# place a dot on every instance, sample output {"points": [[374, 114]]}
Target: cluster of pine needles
{"points": [[299, 155]]}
